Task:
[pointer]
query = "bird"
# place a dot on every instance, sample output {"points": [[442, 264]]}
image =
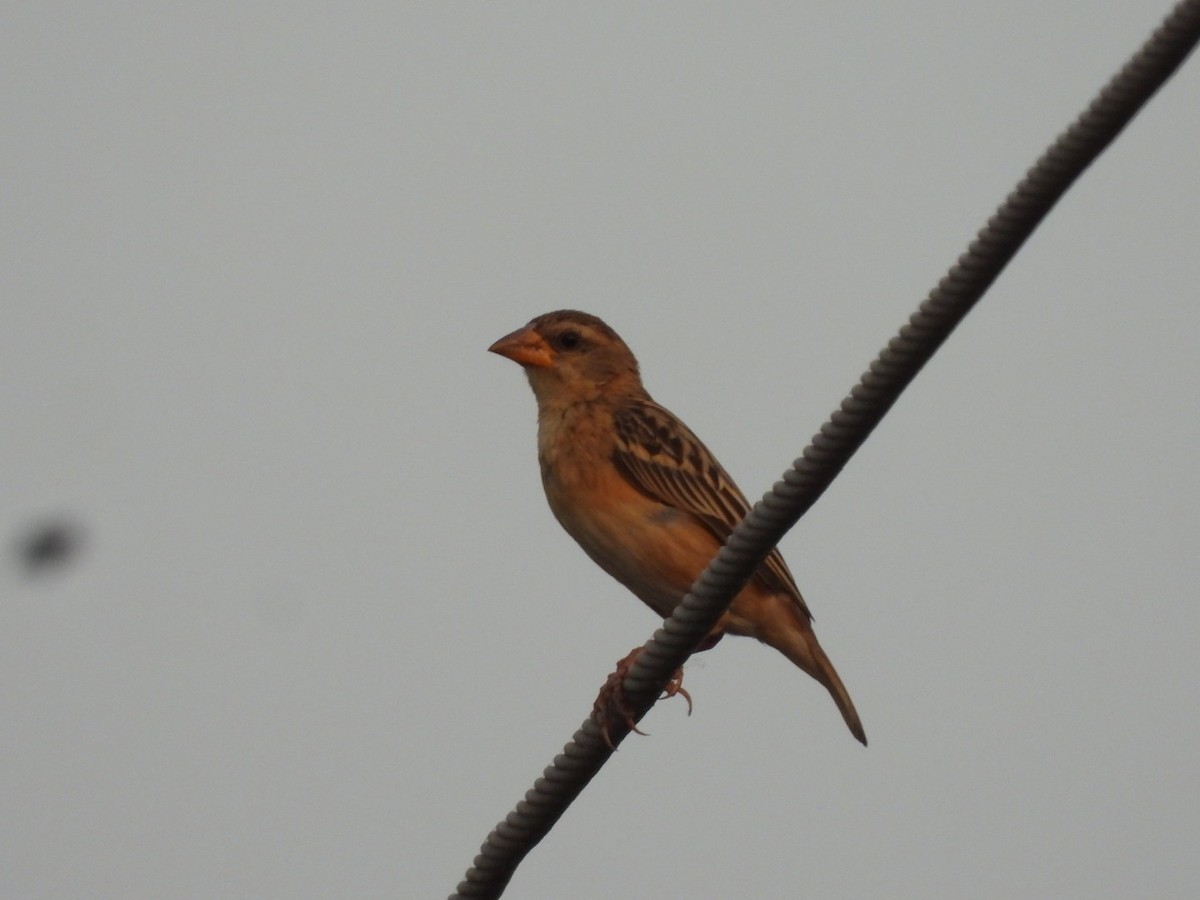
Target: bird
{"points": [[643, 496]]}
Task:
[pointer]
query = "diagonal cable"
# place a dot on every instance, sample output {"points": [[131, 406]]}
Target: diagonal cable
{"points": [[879, 388]]}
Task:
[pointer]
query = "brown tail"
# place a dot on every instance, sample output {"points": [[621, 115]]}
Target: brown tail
{"points": [[798, 643]]}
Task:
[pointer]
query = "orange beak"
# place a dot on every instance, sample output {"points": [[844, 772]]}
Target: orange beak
{"points": [[525, 346]]}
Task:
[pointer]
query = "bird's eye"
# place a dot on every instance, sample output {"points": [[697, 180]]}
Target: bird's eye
{"points": [[569, 340]]}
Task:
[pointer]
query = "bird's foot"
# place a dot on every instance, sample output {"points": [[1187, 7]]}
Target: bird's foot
{"points": [[612, 706]]}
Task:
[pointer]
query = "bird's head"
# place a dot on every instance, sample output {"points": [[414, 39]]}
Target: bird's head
{"points": [[571, 356]]}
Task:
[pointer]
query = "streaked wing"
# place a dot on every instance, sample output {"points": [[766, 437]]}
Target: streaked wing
{"points": [[664, 459]]}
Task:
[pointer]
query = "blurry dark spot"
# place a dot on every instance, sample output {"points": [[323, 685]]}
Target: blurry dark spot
{"points": [[50, 545], [665, 515]]}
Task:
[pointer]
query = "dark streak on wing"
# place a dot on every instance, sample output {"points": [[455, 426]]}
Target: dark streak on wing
{"points": [[662, 458]]}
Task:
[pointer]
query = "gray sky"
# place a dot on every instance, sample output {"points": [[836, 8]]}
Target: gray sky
{"points": [[324, 632]]}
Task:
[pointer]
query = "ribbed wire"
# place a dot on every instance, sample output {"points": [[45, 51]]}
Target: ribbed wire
{"points": [[838, 439]]}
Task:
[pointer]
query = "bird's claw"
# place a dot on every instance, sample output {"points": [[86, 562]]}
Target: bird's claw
{"points": [[612, 706], [675, 686]]}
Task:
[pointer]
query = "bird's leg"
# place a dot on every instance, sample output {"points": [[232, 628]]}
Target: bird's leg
{"points": [[612, 706]]}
